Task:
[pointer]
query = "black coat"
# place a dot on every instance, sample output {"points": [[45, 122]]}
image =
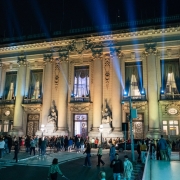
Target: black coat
{"points": [[118, 167]]}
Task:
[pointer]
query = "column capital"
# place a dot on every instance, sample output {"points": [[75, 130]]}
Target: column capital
{"points": [[116, 52], [150, 48], [63, 56], [22, 60], [48, 57], [97, 53]]}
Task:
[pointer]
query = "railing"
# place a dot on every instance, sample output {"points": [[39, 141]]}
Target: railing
{"points": [[135, 98], [32, 101], [170, 96], [4, 101], [147, 168], [80, 99]]}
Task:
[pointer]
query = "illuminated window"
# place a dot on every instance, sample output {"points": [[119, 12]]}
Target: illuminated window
{"points": [[171, 127], [81, 81]]}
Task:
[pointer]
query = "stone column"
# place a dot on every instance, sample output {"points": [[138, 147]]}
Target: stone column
{"points": [[97, 94], [63, 96], [20, 90], [116, 95], [47, 88], [152, 92]]}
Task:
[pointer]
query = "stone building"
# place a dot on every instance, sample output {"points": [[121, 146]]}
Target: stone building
{"points": [[72, 80]]}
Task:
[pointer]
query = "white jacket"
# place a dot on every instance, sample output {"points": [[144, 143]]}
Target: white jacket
{"points": [[2, 144]]}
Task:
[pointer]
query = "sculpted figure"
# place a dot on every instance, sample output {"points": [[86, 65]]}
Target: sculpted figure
{"points": [[106, 116], [52, 118]]}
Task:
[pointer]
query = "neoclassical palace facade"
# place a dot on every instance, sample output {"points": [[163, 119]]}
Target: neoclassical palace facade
{"points": [[72, 80]]}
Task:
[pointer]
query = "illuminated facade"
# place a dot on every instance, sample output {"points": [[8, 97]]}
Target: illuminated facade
{"points": [[71, 81]]}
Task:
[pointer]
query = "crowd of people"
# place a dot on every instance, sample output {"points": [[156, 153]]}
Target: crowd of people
{"points": [[159, 149]]}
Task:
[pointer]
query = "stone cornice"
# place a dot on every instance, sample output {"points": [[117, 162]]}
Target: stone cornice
{"points": [[122, 35]]}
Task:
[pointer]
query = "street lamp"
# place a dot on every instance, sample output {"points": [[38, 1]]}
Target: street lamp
{"points": [[101, 130], [42, 129]]}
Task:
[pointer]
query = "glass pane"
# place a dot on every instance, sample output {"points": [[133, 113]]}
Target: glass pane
{"points": [[80, 117], [173, 130], [6, 127], [164, 122], [170, 122], [165, 130], [175, 122]]}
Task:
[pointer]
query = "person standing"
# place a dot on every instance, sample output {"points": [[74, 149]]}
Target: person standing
{"points": [[33, 145], [87, 161], [2, 144], [117, 166], [112, 152], [9, 143], [16, 150], [92, 143], [139, 150], [96, 142], [99, 155], [163, 147], [143, 149], [128, 168], [54, 170]]}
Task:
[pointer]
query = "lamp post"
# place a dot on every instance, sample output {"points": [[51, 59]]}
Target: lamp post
{"points": [[42, 129], [101, 130]]}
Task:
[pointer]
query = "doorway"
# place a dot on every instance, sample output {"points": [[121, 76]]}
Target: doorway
{"points": [[80, 125], [32, 124]]}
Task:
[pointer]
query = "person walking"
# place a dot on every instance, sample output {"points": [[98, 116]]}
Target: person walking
{"points": [[99, 155], [163, 148], [143, 149], [9, 143], [112, 152], [87, 161], [54, 170], [128, 168], [16, 150], [117, 166]]}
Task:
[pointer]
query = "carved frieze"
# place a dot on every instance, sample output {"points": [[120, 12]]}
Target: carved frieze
{"points": [[32, 107], [80, 108], [63, 56]]}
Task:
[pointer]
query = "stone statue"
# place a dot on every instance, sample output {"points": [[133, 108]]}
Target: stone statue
{"points": [[52, 118], [106, 116]]}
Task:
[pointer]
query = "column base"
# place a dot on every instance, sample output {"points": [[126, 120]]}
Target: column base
{"points": [[16, 131], [154, 133]]}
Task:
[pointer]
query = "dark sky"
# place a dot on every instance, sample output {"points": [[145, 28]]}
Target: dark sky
{"points": [[22, 17]]}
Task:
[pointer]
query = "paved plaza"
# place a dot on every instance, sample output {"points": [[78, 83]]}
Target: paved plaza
{"points": [[71, 164]]}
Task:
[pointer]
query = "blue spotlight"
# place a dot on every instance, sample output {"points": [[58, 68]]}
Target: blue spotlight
{"points": [[125, 93], [162, 91]]}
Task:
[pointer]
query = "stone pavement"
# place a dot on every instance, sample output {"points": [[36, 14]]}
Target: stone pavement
{"points": [[71, 165]]}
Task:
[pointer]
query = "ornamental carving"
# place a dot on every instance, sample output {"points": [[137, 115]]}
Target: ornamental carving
{"points": [[80, 108], [169, 52], [56, 78], [171, 109], [32, 108], [63, 56], [48, 57], [22, 60], [33, 117], [150, 48], [107, 69], [80, 46]]}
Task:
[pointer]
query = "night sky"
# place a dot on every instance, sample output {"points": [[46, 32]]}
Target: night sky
{"points": [[23, 17]]}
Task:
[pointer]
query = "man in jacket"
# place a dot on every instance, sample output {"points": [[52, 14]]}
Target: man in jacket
{"points": [[117, 166], [163, 147], [128, 168]]}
